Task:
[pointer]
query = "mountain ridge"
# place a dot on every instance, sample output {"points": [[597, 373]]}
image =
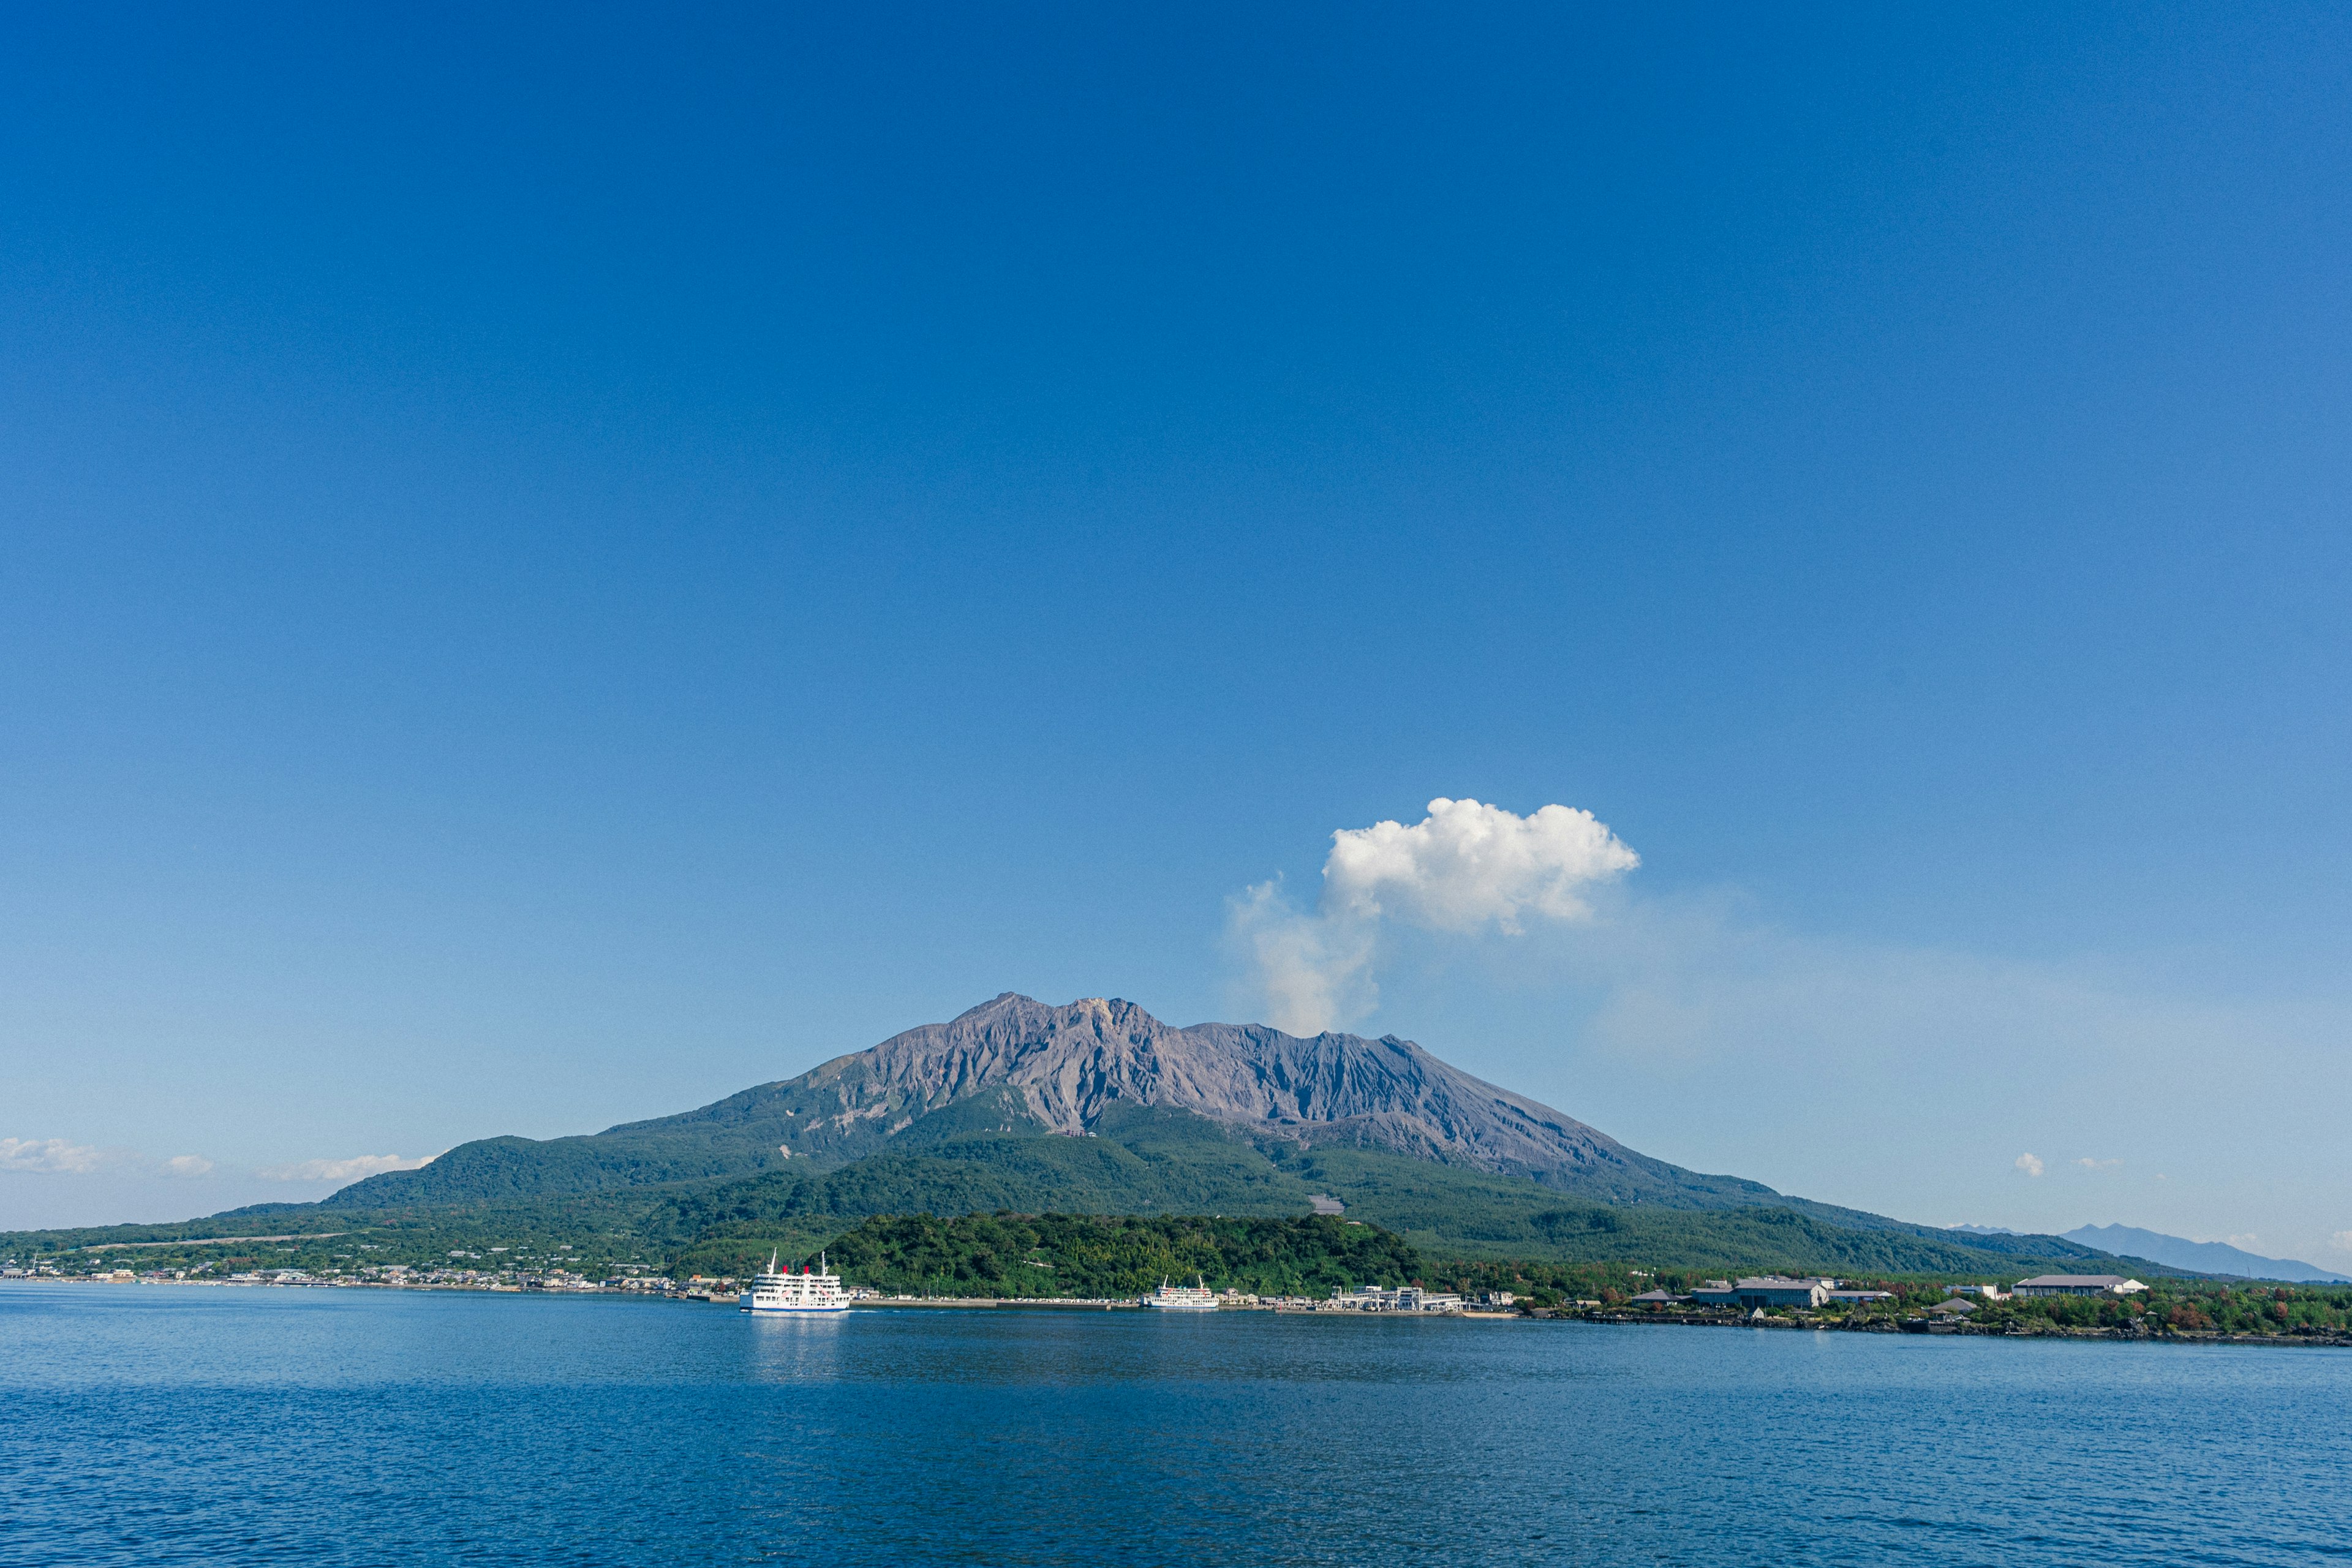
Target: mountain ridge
{"points": [[1057, 1069], [2202, 1257], [976, 1111]]}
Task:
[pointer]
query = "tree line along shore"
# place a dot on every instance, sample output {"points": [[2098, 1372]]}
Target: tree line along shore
{"points": [[1007, 1257]]}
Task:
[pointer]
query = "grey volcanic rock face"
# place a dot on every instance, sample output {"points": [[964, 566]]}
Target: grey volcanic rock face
{"points": [[1064, 1065], [1067, 1064]]}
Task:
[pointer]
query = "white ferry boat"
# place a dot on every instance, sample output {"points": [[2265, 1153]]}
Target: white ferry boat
{"points": [[1193, 1297], [808, 1292]]}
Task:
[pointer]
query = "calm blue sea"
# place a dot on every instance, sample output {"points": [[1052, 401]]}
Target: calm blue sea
{"points": [[181, 1426]]}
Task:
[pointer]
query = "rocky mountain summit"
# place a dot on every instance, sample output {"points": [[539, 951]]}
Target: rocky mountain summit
{"points": [[1065, 1065]]}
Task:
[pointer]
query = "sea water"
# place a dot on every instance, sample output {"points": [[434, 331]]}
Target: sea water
{"points": [[159, 1424]]}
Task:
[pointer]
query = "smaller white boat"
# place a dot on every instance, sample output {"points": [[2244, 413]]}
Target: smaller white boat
{"points": [[1193, 1297], [808, 1293]]}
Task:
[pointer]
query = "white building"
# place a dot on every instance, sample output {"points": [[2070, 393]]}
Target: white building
{"points": [[2078, 1285], [1410, 1298]]}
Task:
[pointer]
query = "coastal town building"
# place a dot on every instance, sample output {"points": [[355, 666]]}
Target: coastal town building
{"points": [[1861, 1298], [1990, 1292], [1410, 1299], [2078, 1285], [1759, 1292]]}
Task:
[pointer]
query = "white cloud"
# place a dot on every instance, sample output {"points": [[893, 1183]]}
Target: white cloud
{"points": [[1464, 868], [55, 1156], [2031, 1165], [1467, 866], [2090, 1165], [52, 1156], [2341, 1241], [2249, 1239], [339, 1171]]}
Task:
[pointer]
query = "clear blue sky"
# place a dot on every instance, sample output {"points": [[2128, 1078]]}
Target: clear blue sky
{"points": [[555, 566]]}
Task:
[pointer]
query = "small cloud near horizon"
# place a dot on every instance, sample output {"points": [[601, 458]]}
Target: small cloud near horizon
{"points": [[341, 1171], [188, 1165], [2090, 1165], [2341, 1241], [50, 1157], [2031, 1165]]}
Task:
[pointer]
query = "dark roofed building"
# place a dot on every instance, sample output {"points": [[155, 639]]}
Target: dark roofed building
{"points": [[1759, 1291]]}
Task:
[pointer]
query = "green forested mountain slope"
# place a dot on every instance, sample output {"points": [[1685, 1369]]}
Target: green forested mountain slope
{"points": [[1149, 1162], [1141, 1161], [1088, 1257]]}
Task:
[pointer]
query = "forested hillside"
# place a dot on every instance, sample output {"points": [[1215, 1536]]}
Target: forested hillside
{"points": [[1141, 1161], [1092, 1256]]}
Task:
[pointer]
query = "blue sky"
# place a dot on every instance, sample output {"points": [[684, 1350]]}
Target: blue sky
{"points": [[554, 566]]}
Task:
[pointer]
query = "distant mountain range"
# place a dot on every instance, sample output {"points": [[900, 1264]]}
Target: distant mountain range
{"points": [[1097, 1106], [2200, 1257]]}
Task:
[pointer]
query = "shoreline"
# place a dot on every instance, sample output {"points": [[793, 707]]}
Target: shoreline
{"points": [[2333, 1340]]}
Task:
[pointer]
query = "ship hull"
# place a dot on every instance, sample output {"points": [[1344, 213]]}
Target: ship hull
{"points": [[832, 1312]]}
